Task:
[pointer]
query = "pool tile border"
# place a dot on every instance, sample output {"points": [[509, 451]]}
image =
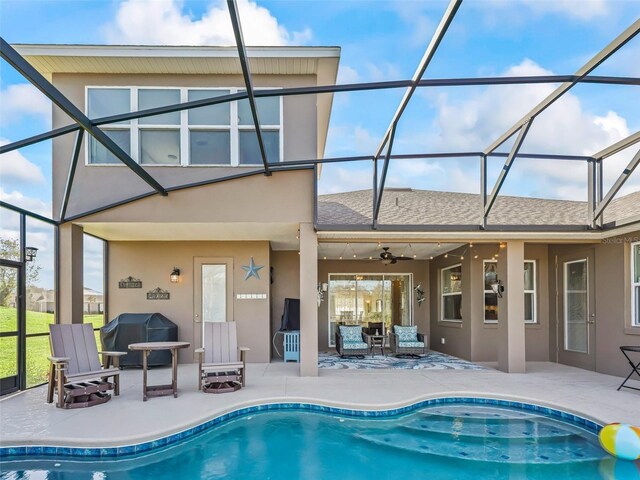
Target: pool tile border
{"points": [[126, 450]]}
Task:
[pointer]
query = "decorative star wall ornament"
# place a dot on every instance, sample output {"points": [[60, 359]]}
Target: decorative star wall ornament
{"points": [[252, 270]]}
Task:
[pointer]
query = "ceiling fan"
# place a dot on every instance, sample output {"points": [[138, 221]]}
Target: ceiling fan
{"points": [[389, 258]]}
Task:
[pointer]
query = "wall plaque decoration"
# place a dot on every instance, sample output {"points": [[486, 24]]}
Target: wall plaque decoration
{"points": [[130, 282], [158, 294]]}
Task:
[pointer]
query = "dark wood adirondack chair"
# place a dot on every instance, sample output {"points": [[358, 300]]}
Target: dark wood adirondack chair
{"points": [[76, 374]]}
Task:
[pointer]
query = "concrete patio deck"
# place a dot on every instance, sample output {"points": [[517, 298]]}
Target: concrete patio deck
{"points": [[25, 418]]}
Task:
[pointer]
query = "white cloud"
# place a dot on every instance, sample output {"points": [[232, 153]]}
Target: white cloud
{"points": [[346, 74], [166, 22], [578, 9], [15, 167], [337, 178], [20, 100], [564, 127], [34, 205]]}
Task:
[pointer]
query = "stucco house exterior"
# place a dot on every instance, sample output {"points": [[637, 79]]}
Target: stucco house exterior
{"points": [[577, 302]]}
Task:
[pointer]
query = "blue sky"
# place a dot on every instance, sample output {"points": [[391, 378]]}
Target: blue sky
{"points": [[380, 40]]}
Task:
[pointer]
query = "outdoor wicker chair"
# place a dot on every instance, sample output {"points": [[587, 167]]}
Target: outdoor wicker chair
{"points": [[219, 370], [350, 341], [76, 374], [405, 341]]}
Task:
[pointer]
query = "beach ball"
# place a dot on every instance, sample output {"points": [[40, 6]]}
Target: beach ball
{"points": [[621, 440]]}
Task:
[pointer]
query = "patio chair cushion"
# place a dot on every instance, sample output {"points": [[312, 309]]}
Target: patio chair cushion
{"points": [[411, 344], [406, 334], [354, 345], [351, 334]]}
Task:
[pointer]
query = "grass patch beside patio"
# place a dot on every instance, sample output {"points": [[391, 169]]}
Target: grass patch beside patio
{"points": [[37, 347]]}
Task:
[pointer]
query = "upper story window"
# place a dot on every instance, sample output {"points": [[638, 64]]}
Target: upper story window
{"points": [[221, 134], [451, 293], [491, 297], [635, 284]]}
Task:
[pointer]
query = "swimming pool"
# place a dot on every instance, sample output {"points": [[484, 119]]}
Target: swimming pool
{"points": [[455, 440]]}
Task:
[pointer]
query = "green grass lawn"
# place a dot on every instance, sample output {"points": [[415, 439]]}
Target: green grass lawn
{"points": [[37, 347]]}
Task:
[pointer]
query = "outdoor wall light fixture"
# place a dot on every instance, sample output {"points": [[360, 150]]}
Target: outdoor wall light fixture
{"points": [[30, 253], [498, 288], [175, 275], [321, 289]]}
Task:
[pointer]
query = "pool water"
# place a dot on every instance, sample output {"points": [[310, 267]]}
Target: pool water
{"points": [[440, 441]]}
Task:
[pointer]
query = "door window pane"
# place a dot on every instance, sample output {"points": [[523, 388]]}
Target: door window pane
{"points": [[98, 154], [151, 98], [211, 115], [93, 275], [268, 111], [214, 296], [250, 150], [209, 147], [576, 307], [160, 147], [105, 102]]}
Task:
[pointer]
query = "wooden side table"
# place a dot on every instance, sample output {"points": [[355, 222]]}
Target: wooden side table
{"points": [[159, 390]]}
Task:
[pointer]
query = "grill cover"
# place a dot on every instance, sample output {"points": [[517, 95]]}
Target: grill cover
{"points": [[128, 328]]}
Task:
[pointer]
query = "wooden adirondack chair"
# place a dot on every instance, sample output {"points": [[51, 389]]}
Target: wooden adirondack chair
{"points": [[76, 374], [219, 370]]}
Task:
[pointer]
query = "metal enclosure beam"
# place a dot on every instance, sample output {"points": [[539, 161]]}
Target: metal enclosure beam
{"points": [[72, 172], [618, 146], [313, 90], [505, 170], [383, 178], [592, 182], [424, 63], [30, 73], [248, 82], [624, 176], [483, 187], [600, 57]]}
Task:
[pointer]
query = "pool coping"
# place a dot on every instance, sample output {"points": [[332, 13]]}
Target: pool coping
{"points": [[306, 406]]}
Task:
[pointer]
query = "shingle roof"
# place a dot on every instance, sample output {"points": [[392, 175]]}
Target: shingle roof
{"points": [[426, 207]]}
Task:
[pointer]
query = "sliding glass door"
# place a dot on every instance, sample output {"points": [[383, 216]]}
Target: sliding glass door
{"points": [[376, 302]]}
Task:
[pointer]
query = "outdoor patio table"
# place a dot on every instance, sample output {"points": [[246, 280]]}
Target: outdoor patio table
{"points": [[159, 390], [376, 341], [635, 367]]}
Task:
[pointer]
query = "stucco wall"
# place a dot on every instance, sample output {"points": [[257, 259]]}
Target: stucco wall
{"points": [[95, 186], [152, 263], [419, 269], [612, 300]]}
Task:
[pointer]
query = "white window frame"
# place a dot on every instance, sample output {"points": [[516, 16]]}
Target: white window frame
{"points": [[534, 293], [635, 315], [109, 126], [485, 291], [442, 294], [185, 161], [332, 342]]}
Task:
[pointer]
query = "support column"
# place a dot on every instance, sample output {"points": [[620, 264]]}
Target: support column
{"points": [[308, 301], [511, 330], [70, 287]]}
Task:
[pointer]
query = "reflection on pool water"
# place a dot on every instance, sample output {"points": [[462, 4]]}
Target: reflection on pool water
{"points": [[457, 441]]}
